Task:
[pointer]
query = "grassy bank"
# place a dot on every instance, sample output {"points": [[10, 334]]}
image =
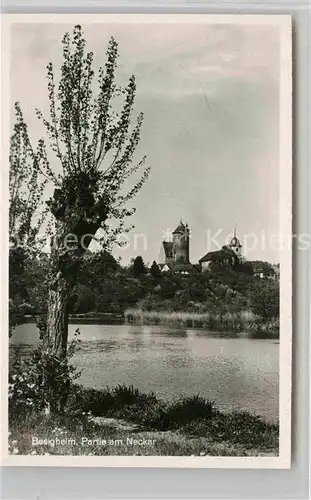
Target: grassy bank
{"points": [[233, 322], [244, 321], [124, 421]]}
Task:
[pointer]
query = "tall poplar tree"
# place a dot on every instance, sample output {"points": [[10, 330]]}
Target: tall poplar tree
{"points": [[26, 213], [90, 133]]}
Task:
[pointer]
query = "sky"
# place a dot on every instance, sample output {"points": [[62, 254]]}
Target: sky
{"points": [[210, 96]]}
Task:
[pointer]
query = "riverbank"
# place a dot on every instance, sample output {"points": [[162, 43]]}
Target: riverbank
{"points": [[124, 421], [90, 318], [244, 321]]}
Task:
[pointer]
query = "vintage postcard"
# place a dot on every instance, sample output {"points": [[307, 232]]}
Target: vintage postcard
{"points": [[146, 186]]}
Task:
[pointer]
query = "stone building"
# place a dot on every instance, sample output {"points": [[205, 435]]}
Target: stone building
{"points": [[228, 254], [175, 253]]}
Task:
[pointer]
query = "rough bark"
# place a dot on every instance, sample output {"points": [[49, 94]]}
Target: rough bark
{"points": [[57, 333], [57, 319], [65, 262]]}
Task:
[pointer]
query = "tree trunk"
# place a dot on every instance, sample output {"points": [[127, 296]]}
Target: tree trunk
{"points": [[56, 340], [57, 318]]}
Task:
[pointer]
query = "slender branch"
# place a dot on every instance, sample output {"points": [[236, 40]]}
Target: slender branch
{"points": [[54, 118]]}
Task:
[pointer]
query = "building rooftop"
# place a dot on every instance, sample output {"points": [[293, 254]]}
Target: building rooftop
{"points": [[235, 242], [214, 255], [181, 228], [178, 268]]}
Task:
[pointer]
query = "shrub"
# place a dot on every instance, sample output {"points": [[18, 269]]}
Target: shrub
{"points": [[265, 299], [90, 400], [130, 404], [193, 415], [41, 382], [124, 395], [109, 402], [148, 413], [186, 410]]}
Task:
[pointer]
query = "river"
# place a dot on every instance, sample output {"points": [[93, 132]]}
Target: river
{"points": [[236, 373]]}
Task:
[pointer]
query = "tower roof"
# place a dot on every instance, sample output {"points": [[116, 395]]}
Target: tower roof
{"points": [[181, 228], [235, 242]]}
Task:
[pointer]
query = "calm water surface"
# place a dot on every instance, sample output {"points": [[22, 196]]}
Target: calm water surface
{"points": [[237, 373]]}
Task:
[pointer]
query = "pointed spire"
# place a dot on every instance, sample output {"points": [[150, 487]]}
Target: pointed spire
{"points": [[234, 232]]}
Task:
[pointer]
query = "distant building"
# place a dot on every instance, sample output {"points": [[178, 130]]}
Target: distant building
{"points": [[265, 270], [228, 254], [176, 252], [224, 256], [175, 256]]}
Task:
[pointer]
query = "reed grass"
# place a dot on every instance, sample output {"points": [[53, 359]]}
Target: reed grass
{"points": [[242, 321]]}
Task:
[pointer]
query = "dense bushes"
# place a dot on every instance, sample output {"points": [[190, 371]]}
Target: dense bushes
{"points": [[265, 299], [41, 382], [103, 285], [193, 416], [129, 403]]}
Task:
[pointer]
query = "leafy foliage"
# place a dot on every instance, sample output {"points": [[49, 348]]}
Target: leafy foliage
{"points": [[139, 267], [94, 143], [41, 382], [265, 299], [26, 215], [155, 270], [26, 186], [103, 285]]}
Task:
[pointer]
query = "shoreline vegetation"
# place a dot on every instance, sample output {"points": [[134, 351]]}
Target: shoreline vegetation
{"points": [[221, 299], [243, 323], [124, 421], [238, 322]]}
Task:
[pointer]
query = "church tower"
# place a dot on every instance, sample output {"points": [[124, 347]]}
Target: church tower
{"points": [[236, 246], [181, 237]]}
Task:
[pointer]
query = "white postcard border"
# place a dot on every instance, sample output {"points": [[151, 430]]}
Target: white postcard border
{"points": [[283, 461]]}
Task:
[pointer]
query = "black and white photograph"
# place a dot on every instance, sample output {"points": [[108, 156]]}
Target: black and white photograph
{"points": [[149, 240]]}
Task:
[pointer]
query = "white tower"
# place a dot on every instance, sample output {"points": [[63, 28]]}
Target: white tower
{"points": [[235, 245]]}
